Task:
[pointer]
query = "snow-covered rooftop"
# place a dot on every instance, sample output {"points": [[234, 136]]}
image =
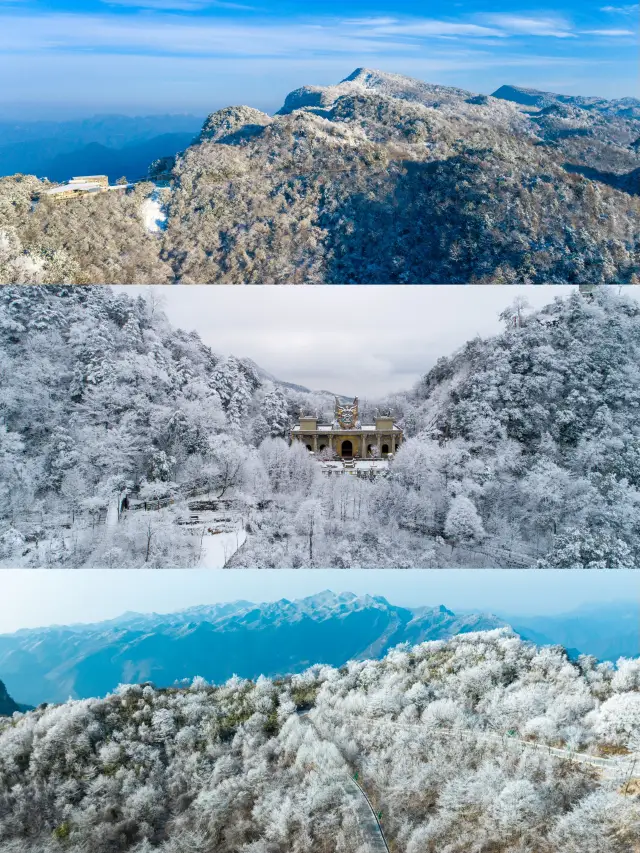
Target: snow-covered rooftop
{"points": [[76, 186]]}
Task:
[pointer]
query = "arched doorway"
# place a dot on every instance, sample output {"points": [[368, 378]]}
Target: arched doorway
{"points": [[309, 447], [369, 449], [347, 450], [385, 449]]}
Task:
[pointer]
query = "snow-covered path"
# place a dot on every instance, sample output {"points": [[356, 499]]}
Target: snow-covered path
{"points": [[153, 213], [112, 513], [356, 796], [218, 549]]}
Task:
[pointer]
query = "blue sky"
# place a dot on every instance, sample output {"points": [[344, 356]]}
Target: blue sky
{"points": [[66, 58], [36, 598]]}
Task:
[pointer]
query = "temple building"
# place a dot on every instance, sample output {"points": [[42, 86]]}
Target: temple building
{"points": [[347, 437], [83, 185]]}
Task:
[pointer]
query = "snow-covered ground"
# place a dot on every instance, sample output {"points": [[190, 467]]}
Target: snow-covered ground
{"points": [[218, 549], [153, 213]]}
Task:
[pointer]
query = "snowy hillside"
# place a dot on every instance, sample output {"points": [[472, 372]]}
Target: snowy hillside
{"points": [[379, 178], [126, 443], [103, 401], [479, 742]]}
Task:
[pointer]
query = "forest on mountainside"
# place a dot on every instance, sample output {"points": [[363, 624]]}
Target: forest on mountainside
{"points": [[521, 450], [380, 179], [450, 740]]}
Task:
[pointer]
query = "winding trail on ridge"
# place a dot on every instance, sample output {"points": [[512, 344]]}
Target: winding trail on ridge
{"points": [[615, 771], [367, 818]]}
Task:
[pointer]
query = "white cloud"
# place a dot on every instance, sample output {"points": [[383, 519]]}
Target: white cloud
{"points": [[429, 28], [371, 22], [555, 27], [630, 9], [151, 32], [175, 35], [608, 32]]}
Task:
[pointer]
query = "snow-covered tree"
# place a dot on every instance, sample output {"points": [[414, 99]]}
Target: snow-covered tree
{"points": [[463, 524]]}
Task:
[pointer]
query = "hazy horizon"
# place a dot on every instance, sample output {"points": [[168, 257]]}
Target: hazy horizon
{"points": [[66, 58], [79, 597], [48, 112]]}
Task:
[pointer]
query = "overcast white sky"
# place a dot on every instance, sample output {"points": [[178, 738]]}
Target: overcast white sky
{"points": [[34, 598], [365, 341]]}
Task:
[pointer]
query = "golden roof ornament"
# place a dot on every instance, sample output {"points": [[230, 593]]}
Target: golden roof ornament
{"points": [[346, 417]]}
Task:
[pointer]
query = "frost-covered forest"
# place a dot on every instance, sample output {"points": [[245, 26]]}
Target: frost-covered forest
{"points": [[460, 745], [522, 449], [379, 179]]}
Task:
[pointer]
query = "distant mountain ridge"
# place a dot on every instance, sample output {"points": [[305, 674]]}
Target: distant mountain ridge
{"points": [[218, 641], [606, 632], [629, 107], [273, 639], [103, 144]]}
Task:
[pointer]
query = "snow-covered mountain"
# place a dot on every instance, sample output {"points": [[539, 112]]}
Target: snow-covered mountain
{"points": [[379, 178], [272, 639], [477, 742], [217, 642]]}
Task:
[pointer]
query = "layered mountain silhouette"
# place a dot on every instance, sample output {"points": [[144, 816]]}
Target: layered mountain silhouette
{"points": [[628, 107], [272, 639], [217, 642], [605, 631], [112, 145]]}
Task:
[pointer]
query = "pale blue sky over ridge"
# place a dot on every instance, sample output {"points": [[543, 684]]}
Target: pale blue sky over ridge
{"points": [[64, 58]]}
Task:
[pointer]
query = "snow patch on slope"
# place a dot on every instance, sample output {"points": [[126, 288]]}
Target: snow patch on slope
{"points": [[154, 214]]}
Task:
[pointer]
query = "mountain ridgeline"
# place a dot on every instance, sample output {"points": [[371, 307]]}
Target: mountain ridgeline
{"points": [[271, 639], [216, 642], [379, 179]]}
